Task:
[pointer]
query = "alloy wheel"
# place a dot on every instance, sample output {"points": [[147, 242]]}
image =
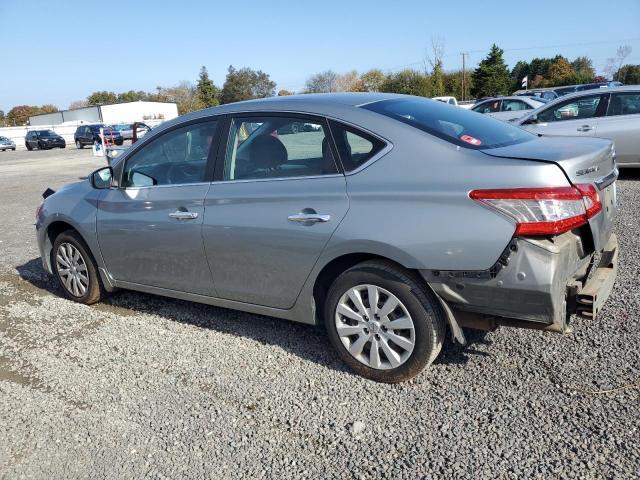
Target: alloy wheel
{"points": [[375, 327], [72, 269]]}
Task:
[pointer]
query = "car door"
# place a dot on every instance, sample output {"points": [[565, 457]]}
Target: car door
{"points": [[511, 109], [150, 228], [577, 116], [622, 125], [277, 199]]}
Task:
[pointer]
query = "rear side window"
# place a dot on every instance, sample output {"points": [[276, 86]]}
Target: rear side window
{"points": [[355, 147], [624, 104], [487, 107], [456, 125]]}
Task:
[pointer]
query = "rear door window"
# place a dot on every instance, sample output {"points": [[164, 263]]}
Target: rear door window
{"points": [[489, 106], [624, 104], [355, 147], [514, 105], [455, 125]]}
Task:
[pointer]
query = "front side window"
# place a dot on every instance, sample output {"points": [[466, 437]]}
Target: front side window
{"points": [[177, 157], [487, 107], [455, 125], [514, 105], [277, 147], [574, 109], [624, 104]]}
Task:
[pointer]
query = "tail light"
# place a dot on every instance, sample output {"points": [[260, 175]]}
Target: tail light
{"points": [[543, 211]]}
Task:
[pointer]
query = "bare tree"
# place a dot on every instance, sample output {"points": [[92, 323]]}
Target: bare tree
{"points": [[78, 104], [323, 82], [434, 56], [614, 64]]}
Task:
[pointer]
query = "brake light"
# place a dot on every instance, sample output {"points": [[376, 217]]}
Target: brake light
{"points": [[543, 211]]}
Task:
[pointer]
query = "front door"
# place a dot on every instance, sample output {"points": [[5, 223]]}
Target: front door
{"points": [[574, 117], [279, 198], [150, 229]]}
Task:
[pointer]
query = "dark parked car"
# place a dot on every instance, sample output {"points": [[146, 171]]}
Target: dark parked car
{"points": [[7, 144], [43, 140], [90, 134]]}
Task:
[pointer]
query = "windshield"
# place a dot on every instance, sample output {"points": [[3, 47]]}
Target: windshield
{"points": [[47, 133], [458, 126]]}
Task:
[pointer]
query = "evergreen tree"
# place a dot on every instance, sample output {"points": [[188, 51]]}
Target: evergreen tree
{"points": [[207, 91], [492, 76]]}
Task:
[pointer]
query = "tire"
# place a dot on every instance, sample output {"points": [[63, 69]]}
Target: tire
{"points": [[93, 290], [295, 128], [79, 145], [29, 147], [418, 309]]}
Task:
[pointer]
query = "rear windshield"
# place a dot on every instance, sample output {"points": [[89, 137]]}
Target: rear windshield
{"points": [[454, 124]]}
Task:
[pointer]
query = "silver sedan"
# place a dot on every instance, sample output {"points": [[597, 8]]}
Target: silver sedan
{"points": [[392, 220], [508, 108], [7, 144], [607, 113]]}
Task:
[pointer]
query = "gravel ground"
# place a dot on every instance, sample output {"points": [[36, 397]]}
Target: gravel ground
{"points": [[142, 386]]}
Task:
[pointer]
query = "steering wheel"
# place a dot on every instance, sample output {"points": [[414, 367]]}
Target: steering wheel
{"points": [[184, 172]]}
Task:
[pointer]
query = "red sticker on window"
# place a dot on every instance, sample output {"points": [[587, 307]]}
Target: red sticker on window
{"points": [[470, 139]]}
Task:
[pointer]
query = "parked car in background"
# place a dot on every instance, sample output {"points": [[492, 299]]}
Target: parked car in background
{"points": [[394, 220], [43, 140], [7, 144], [507, 108], [126, 129], [90, 134], [606, 113], [449, 100], [552, 93]]}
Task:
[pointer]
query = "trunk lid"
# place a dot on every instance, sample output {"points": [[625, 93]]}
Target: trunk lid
{"points": [[583, 160]]}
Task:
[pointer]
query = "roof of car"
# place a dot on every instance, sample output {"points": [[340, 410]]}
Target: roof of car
{"points": [[595, 91], [352, 99]]}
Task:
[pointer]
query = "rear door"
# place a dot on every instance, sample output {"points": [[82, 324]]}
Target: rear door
{"points": [[622, 125], [577, 116], [278, 198]]}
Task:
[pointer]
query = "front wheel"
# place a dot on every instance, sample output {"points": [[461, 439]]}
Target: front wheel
{"points": [[79, 145], [76, 268], [384, 322], [29, 147]]}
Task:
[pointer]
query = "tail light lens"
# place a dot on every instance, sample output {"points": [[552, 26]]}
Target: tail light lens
{"points": [[543, 211]]}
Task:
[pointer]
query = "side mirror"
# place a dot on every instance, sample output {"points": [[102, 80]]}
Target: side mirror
{"points": [[101, 178], [532, 119]]}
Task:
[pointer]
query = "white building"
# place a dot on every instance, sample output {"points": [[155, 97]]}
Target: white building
{"points": [[110, 114]]}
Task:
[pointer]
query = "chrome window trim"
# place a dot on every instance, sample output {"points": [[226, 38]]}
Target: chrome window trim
{"points": [[167, 185], [277, 179]]}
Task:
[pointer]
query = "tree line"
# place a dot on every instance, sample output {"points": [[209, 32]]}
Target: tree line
{"points": [[491, 77]]}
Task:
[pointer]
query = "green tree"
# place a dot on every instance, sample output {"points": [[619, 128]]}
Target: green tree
{"points": [[373, 80], [583, 66], [133, 96], [437, 80], [323, 82], [519, 71], [3, 118], [492, 76], [246, 84], [629, 75], [208, 93], [409, 82], [102, 97]]}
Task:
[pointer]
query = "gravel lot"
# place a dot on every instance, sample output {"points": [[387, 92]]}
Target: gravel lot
{"points": [[142, 386]]}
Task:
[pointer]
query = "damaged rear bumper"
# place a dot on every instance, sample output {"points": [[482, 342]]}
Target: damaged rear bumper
{"points": [[536, 283]]}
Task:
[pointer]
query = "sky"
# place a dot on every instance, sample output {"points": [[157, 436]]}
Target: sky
{"points": [[55, 52]]}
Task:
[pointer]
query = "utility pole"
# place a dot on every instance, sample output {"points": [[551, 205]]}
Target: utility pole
{"points": [[464, 55]]}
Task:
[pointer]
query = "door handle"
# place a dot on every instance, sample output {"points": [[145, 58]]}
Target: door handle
{"points": [[309, 218], [181, 215], [585, 128]]}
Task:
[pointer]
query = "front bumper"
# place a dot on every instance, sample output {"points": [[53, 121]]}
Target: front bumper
{"points": [[536, 283]]}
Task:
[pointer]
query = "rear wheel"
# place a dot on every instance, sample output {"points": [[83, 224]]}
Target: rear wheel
{"points": [[384, 322], [76, 269]]}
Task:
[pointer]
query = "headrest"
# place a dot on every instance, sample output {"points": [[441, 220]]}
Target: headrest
{"points": [[267, 152]]}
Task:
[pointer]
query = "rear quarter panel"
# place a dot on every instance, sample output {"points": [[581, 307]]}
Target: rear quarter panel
{"points": [[413, 206]]}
